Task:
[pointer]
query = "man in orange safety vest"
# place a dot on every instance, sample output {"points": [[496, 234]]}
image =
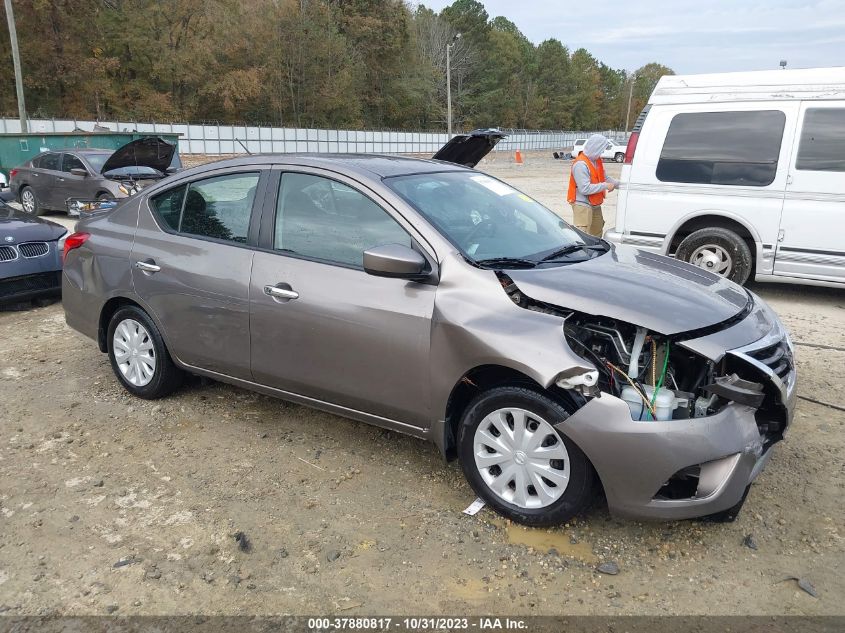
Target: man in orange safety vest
{"points": [[588, 186]]}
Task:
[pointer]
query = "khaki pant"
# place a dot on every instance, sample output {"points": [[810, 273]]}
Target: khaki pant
{"points": [[588, 218]]}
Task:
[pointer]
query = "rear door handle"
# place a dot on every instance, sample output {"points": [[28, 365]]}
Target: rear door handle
{"points": [[280, 293], [147, 267], [60, 179]]}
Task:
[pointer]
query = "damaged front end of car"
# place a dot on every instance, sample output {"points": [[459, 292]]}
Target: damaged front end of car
{"points": [[676, 425]]}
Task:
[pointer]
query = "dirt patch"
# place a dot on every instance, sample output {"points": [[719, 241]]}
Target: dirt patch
{"points": [[114, 504]]}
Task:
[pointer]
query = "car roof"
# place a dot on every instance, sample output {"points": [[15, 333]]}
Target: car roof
{"points": [[379, 165]]}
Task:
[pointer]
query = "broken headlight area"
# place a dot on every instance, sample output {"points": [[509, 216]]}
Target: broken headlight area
{"points": [[657, 377]]}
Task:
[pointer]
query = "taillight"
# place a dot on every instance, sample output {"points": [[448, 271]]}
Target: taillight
{"points": [[632, 147], [72, 241], [12, 173]]}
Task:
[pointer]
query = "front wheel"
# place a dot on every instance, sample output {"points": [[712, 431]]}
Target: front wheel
{"points": [[518, 463], [719, 250], [138, 355], [619, 158]]}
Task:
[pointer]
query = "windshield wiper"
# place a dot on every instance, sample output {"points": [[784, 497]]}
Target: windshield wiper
{"points": [[572, 248], [513, 262]]}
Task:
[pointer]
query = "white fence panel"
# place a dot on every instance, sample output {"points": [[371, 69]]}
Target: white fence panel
{"points": [[232, 139]]}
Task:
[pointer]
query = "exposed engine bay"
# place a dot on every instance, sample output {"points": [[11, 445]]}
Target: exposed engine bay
{"points": [[657, 377]]}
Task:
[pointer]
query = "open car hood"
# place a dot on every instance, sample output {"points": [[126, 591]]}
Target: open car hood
{"points": [[150, 151], [469, 149]]}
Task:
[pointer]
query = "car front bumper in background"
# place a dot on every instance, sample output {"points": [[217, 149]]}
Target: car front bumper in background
{"points": [[635, 460], [24, 278]]}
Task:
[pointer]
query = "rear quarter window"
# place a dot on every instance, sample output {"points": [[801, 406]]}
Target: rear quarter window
{"points": [[822, 144], [722, 148]]}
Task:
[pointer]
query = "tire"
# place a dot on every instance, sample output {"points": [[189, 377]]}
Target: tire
{"points": [[149, 351], [719, 250], [105, 196], [29, 202], [557, 503], [619, 157]]}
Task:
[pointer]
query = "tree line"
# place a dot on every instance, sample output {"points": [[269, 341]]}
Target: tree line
{"points": [[307, 63]]}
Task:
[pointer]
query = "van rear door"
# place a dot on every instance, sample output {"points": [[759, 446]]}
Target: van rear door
{"points": [[811, 243]]}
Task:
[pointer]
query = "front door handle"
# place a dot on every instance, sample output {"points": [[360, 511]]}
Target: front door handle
{"points": [[147, 267], [280, 293]]}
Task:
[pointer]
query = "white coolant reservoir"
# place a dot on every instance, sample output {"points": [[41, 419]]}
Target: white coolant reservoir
{"points": [[665, 404]]}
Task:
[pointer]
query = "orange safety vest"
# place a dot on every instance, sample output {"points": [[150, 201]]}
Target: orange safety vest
{"points": [[596, 176]]}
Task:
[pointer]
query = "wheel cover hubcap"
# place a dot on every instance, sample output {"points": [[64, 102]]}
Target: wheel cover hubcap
{"points": [[521, 458], [28, 201], [714, 258], [134, 352]]}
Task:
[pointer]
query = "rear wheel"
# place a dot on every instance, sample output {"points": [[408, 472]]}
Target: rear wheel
{"points": [[719, 250], [518, 463], [29, 202], [138, 355]]}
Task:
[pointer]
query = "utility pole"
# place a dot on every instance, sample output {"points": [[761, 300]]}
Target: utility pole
{"points": [[16, 60], [448, 83], [630, 98]]}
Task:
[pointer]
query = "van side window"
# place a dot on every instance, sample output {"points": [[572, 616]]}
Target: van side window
{"points": [[822, 145], [722, 148]]}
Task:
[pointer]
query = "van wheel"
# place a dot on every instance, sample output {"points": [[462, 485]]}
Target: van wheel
{"points": [[518, 463], [619, 158], [138, 355], [721, 251]]}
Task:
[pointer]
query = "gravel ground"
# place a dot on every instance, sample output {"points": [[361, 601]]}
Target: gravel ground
{"points": [[220, 501]]}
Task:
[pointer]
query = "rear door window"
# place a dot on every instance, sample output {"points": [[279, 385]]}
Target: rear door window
{"points": [[722, 148], [822, 144], [49, 161], [219, 208]]}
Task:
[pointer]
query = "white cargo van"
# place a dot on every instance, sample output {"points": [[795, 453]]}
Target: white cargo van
{"points": [[742, 174]]}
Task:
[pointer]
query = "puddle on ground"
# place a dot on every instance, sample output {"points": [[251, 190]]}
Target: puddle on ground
{"points": [[543, 540]]}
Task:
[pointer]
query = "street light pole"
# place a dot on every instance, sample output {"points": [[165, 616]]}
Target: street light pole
{"points": [[449, 83], [16, 61], [630, 98], [448, 91]]}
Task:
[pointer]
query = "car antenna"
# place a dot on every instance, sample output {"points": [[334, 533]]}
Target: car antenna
{"points": [[244, 146]]}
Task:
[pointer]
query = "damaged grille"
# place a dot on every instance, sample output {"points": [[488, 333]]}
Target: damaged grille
{"points": [[776, 357]]}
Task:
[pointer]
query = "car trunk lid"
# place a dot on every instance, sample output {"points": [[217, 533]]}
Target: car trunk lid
{"points": [[468, 149]]}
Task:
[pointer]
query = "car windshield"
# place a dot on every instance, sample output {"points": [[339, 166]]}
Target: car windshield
{"points": [[97, 160], [487, 219]]}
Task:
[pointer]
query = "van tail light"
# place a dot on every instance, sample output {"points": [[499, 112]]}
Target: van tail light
{"points": [[635, 135], [12, 173], [72, 241], [632, 147]]}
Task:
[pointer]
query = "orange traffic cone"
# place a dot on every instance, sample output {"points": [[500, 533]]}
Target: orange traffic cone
{"points": [[517, 157]]}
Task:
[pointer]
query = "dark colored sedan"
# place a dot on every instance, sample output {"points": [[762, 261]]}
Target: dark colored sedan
{"points": [[51, 179], [30, 256]]}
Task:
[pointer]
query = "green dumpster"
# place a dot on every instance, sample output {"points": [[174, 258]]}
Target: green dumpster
{"points": [[16, 149]]}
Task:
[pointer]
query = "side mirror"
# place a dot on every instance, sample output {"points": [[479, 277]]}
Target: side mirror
{"points": [[395, 260], [77, 171]]}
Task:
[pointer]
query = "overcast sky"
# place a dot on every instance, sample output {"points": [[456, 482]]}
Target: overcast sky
{"points": [[690, 37]]}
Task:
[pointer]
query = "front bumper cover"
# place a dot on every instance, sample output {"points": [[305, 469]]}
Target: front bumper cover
{"points": [[635, 459]]}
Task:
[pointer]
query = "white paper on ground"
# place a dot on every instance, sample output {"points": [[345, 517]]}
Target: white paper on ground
{"points": [[474, 507]]}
